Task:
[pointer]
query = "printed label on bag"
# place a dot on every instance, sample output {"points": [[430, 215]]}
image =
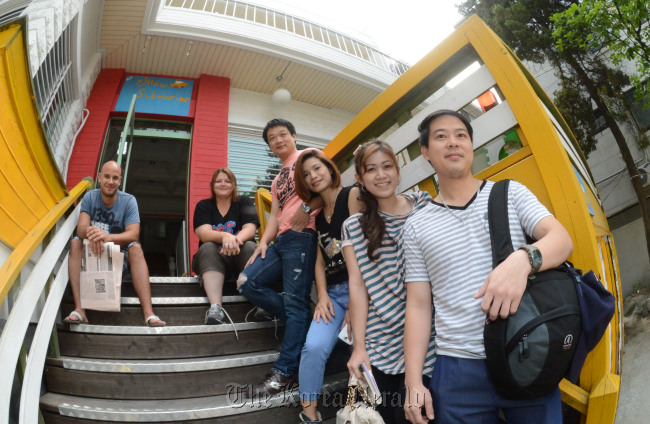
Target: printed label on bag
{"points": [[568, 342]]}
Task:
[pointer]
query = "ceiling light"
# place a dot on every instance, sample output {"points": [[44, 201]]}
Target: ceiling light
{"points": [[281, 96]]}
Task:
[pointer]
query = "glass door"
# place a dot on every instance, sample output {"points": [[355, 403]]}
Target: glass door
{"points": [[155, 167]]}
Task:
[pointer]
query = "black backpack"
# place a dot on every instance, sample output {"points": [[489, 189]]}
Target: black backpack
{"points": [[530, 352]]}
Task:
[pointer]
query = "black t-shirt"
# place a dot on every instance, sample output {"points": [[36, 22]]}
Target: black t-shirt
{"points": [[329, 238], [241, 212]]}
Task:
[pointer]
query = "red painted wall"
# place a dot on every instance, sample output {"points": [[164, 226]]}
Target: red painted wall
{"points": [[209, 136], [209, 142], [84, 160]]}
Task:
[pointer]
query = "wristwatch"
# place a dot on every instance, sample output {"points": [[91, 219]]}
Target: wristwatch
{"points": [[305, 208], [534, 256]]}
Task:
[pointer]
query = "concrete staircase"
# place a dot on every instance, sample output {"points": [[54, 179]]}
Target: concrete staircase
{"points": [[118, 370]]}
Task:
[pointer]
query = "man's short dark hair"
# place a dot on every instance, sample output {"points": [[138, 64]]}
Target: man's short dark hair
{"points": [[423, 128], [277, 123]]}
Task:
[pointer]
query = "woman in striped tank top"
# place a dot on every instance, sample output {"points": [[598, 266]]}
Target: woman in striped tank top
{"points": [[372, 248]]}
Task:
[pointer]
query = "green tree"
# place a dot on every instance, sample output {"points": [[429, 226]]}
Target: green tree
{"points": [[620, 26], [527, 27], [575, 103]]}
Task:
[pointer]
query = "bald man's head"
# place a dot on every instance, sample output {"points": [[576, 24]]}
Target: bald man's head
{"points": [[111, 164], [110, 178]]}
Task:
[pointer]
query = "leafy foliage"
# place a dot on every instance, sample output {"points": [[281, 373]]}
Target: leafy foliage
{"points": [[575, 103], [528, 27], [575, 50], [620, 26], [525, 25], [575, 107]]}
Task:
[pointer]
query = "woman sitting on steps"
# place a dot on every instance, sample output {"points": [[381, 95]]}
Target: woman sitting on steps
{"points": [[225, 225]]}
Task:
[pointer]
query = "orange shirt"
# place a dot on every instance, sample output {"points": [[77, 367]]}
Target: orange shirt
{"points": [[283, 191]]}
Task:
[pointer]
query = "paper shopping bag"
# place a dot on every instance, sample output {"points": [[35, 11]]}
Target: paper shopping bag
{"points": [[101, 278]]}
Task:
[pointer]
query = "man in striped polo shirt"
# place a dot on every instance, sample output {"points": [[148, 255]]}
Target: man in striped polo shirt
{"points": [[448, 260]]}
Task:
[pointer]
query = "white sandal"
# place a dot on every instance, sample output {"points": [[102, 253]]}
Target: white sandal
{"points": [[155, 324], [80, 319]]}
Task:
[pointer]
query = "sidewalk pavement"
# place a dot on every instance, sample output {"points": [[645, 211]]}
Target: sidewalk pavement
{"points": [[634, 400]]}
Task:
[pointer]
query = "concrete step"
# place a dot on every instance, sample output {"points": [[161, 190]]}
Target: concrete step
{"points": [[182, 286], [182, 300], [174, 280], [174, 289], [174, 310], [165, 379], [163, 365], [174, 300], [232, 407], [185, 341], [173, 315], [156, 379], [143, 330], [176, 286]]}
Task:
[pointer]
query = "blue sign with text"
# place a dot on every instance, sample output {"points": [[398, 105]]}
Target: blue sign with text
{"points": [[165, 96]]}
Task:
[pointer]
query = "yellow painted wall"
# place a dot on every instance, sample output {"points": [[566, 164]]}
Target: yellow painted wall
{"points": [[29, 179]]}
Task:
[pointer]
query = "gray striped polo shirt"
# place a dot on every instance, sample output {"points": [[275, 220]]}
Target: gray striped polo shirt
{"points": [[457, 258]]}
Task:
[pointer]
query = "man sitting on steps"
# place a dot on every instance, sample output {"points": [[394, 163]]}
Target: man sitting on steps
{"points": [[110, 215]]}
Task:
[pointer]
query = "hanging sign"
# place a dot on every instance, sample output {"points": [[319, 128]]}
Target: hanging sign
{"points": [[165, 96]]}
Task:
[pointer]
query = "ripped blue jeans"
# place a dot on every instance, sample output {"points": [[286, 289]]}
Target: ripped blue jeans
{"points": [[290, 258]]}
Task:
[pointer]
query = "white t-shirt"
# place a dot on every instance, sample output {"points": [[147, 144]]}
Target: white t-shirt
{"points": [[456, 258]]}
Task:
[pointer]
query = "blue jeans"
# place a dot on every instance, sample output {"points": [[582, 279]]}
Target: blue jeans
{"points": [[463, 393], [321, 339], [291, 259]]}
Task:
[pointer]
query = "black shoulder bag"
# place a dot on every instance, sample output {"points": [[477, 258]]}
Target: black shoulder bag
{"points": [[531, 351]]}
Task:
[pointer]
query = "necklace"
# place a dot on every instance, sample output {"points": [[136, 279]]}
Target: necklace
{"points": [[328, 216], [463, 219]]}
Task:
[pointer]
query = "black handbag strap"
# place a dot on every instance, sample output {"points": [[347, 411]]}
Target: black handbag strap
{"points": [[498, 220]]}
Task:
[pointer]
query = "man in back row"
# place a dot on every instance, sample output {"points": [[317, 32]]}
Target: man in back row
{"points": [[448, 258], [110, 215], [290, 259]]}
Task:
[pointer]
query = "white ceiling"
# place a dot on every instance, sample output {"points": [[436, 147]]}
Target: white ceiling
{"points": [[124, 43]]}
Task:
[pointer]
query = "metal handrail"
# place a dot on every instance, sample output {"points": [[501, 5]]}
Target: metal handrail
{"points": [[13, 334], [11, 268], [31, 392], [239, 10], [24, 307]]}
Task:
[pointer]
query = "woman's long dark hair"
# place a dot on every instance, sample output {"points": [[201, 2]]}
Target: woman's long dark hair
{"points": [[372, 224], [302, 190]]}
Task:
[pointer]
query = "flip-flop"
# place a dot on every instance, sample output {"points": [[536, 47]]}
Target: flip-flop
{"points": [[154, 324], [79, 319]]}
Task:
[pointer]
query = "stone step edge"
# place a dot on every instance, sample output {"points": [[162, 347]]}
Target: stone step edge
{"points": [[172, 280], [171, 329], [176, 300], [162, 366], [176, 410], [180, 280], [183, 300]]}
